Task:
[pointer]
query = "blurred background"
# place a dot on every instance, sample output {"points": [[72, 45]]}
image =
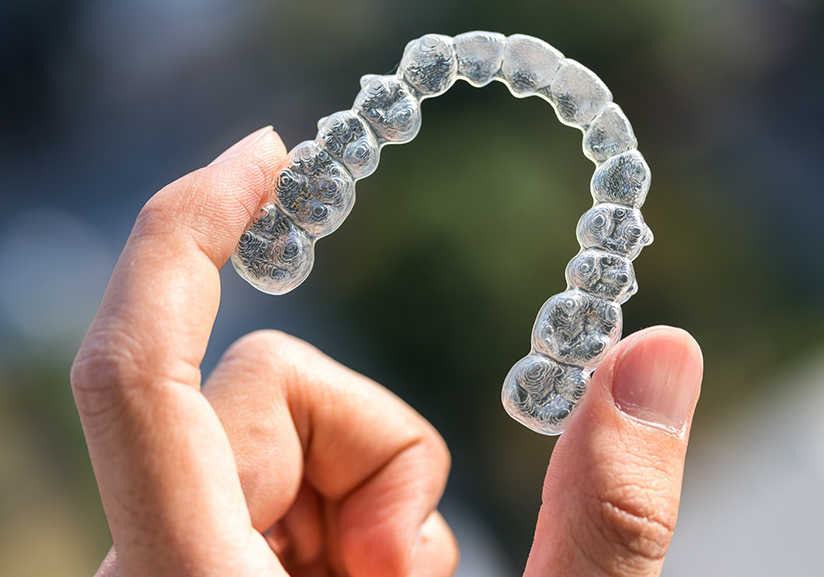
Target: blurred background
{"points": [[433, 283]]}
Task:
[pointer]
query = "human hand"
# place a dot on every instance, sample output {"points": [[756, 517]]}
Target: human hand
{"points": [[613, 486], [286, 461], [331, 474]]}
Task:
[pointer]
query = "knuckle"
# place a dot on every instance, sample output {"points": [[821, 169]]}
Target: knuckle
{"points": [[104, 368], [274, 347], [157, 210], [175, 210], [427, 453], [115, 369], [637, 522], [272, 340]]}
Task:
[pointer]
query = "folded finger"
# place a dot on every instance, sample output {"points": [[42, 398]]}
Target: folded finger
{"points": [[298, 538], [436, 554], [380, 463]]}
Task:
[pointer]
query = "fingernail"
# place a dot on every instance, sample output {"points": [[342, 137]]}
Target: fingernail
{"points": [[658, 378], [241, 144]]}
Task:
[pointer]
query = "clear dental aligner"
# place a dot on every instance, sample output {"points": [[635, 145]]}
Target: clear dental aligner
{"points": [[315, 191]]}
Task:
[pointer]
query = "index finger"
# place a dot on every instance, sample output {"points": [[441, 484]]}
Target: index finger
{"points": [[162, 461]]}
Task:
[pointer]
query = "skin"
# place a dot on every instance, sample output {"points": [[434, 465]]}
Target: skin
{"points": [[284, 462]]}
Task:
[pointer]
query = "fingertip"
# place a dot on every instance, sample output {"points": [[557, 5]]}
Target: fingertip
{"points": [[667, 332], [265, 148], [254, 170], [657, 378], [383, 523], [652, 378], [214, 205], [246, 171], [247, 141], [436, 552]]}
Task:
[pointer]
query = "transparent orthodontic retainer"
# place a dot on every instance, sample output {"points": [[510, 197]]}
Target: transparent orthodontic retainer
{"points": [[315, 191]]}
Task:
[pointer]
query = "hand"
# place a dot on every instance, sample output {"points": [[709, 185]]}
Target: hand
{"points": [[288, 462], [285, 461], [612, 489]]}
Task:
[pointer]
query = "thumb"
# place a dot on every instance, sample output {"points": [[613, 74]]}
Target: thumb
{"points": [[612, 489]]}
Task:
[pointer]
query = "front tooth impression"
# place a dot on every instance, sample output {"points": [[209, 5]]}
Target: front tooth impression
{"points": [[480, 55], [529, 64], [578, 93], [609, 134]]}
